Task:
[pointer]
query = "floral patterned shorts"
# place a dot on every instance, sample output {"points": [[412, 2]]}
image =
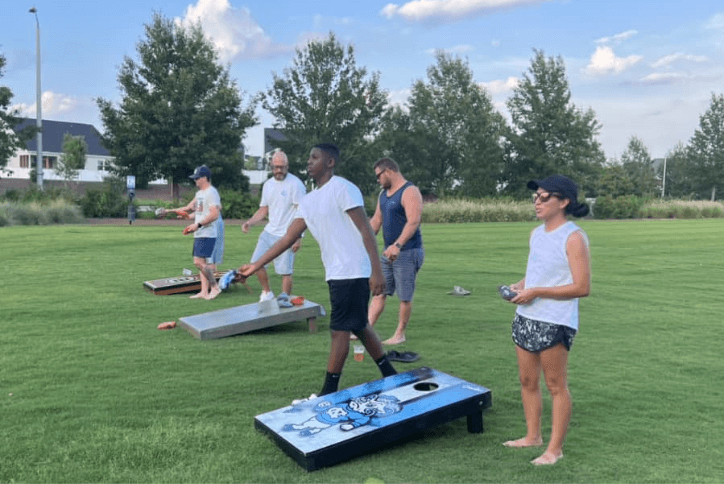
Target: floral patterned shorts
{"points": [[535, 336]]}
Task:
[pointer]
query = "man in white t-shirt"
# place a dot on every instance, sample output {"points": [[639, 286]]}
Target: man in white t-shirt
{"points": [[206, 207], [334, 214], [280, 198]]}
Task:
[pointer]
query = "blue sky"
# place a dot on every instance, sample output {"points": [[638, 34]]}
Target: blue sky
{"points": [[646, 68]]}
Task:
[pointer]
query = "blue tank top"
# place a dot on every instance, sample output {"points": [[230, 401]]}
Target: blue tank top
{"points": [[394, 219]]}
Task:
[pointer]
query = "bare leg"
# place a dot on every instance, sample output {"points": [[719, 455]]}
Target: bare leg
{"points": [[287, 284], [371, 342], [200, 263], [529, 367], [263, 279], [404, 318], [338, 351], [555, 369], [377, 306]]}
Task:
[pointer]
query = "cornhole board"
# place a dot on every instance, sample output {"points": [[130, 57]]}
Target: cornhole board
{"points": [[363, 419], [250, 317], [176, 285]]}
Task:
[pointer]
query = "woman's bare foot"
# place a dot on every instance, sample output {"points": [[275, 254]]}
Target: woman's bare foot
{"points": [[524, 442], [395, 340], [200, 295], [215, 291], [548, 458]]}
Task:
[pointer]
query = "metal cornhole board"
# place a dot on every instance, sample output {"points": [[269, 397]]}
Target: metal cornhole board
{"points": [[362, 419], [175, 285], [250, 317]]}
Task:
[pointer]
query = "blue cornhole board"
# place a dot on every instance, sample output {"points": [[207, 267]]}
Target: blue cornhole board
{"points": [[363, 419], [249, 317]]}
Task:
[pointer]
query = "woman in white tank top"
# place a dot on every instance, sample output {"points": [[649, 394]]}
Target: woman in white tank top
{"points": [[557, 274]]}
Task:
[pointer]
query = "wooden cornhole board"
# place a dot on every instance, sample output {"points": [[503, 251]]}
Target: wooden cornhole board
{"points": [[250, 317], [176, 285], [363, 419]]}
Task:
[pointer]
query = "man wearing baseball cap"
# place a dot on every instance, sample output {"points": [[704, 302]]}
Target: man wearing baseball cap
{"points": [[207, 229]]}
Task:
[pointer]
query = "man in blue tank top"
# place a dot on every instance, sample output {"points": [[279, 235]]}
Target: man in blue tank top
{"points": [[398, 213]]}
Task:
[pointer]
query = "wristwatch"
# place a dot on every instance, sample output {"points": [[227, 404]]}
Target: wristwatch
{"points": [[397, 244]]}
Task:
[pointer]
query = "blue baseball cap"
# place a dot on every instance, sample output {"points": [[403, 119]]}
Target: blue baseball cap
{"points": [[557, 184], [200, 171]]}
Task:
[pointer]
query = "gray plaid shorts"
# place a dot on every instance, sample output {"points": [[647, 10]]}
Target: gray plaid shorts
{"points": [[535, 336]]}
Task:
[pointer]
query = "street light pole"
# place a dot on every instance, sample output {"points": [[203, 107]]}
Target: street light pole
{"points": [[38, 102]]}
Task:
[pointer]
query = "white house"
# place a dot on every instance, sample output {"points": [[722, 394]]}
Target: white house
{"points": [[98, 159]]}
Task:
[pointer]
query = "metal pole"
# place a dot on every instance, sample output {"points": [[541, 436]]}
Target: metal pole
{"points": [[663, 181], [38, 102]]}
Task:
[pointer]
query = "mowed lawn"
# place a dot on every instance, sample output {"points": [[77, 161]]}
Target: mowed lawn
{"points": [[91, 391]]}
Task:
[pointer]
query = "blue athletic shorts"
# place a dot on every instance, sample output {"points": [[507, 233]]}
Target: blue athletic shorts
{"points": [[204, 247], [535, 336], [284, 264], [349, 299], [400, 275]]}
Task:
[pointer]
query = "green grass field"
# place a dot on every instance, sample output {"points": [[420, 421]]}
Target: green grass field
{"points": [[91, 391]]}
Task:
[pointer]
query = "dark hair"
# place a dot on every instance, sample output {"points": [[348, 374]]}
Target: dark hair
{"points": [[387, 164], [331, 149], [577, 209]]}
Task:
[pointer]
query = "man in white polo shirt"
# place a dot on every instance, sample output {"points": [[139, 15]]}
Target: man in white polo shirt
{"points": [[280, 198]]}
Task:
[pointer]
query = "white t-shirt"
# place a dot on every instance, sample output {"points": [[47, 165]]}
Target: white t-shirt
{"points": [[204, 200], [548, 267], [324, 210], [282, 198]]}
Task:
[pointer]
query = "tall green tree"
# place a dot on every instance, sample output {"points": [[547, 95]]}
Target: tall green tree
{"points": [[10, 141], [639, 166], [179, 109], [73, 158], [680, 179], [549, 133], [325, 97], [706, 149], [459, 130]]}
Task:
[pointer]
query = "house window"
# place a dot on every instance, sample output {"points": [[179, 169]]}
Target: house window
{"points": [[104, 165], [24, 161], [49, 162]]}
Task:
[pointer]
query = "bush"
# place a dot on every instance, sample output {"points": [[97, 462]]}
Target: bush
{"points": [[486, 210], [108, 201], [34, 213], [628, 206], [237, 205]]}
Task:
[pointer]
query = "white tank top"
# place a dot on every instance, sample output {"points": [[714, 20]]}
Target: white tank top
{"points": [[548, 267]]}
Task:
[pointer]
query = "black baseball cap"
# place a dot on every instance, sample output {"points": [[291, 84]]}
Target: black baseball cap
{"points": [[557, 184], [200, 171]]}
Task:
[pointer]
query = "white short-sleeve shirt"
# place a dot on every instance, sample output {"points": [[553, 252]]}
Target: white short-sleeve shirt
{"points": [[324, 210], [204, 200], [282, 198]]}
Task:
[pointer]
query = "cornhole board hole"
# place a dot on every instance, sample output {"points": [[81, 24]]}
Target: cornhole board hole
{"points": [[176, 285], [250, 317], [363, 419]]}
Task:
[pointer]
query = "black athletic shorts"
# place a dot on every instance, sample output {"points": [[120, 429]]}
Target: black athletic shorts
{"points": [[349, 299], [535, 336]]}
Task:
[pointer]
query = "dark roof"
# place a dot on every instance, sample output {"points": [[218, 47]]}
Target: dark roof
{"points": [[53, 132], [270, 136]]}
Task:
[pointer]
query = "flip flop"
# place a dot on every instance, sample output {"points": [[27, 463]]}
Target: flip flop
{"points": [[404, 357], [167, 325], [459, 291]]}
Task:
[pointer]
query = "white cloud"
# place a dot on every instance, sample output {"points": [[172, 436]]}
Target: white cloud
{"points": [[670, 59], [500, 86], [449, 10], [233, 31], [604, 61], [399, 98], [662, 78], [617, 38], [716, 22], [53, 104]]}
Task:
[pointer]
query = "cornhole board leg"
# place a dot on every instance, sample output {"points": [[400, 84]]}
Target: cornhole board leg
{"points": [[363, 419], [312, 325], [246, 318]]}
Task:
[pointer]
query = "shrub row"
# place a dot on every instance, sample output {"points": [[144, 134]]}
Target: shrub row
{"points": [[637, 207], [460, 211], [57, 212]]}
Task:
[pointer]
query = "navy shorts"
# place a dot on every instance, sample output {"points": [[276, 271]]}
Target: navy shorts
{"points": [[535, 336], [349, 299], [204, 247], [400, 275]]}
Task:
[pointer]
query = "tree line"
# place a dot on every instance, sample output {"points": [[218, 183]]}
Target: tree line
{"points": [[180, 108]]}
